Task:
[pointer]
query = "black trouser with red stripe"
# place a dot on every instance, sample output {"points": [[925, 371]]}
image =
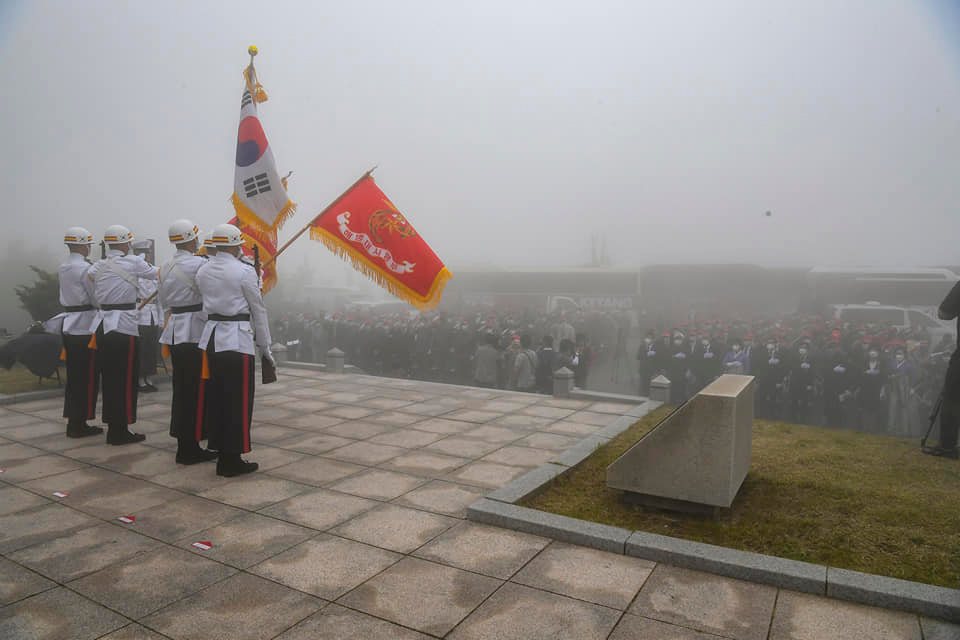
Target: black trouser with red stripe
{"points": [[119, 361], [230, 396], [83, 380], [189, 393]]}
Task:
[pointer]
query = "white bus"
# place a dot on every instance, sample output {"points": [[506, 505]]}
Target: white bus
{"points": [[903, 287]]}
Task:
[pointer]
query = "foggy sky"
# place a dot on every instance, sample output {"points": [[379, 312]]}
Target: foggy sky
{"points": [[508, 132]]}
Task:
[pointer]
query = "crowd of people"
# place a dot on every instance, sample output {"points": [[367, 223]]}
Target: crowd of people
{"points": [[808, 369]]}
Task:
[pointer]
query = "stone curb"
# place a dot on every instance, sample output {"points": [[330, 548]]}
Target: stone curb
{"points": [[499, 508], [601, 396]]}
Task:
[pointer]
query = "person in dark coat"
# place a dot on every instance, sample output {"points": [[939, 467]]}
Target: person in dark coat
{"points": [[872, 393], [647, 361], [802, 384], [546, 358], [677, 370]]}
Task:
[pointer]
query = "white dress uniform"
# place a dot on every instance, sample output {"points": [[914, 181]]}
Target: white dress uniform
{"points": [[76, 292], [116, 288], [149, 328], [83, 380]]}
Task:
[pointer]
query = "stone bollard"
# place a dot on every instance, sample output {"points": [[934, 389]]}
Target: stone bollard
{"points": [[335, 360], [562, 382], [279, 353], [660, 389]]}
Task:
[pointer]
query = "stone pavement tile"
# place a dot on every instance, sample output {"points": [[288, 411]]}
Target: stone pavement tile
{"points": [[474, 415], [590, 417], [478, 394], [349, 412], [378, 484], [482, 549], [83, 552], [522, 421], [616, 408], [358, 429], [516, 611], [313, 443], [242, 607], [142, 463], [274, 415], [520, 456], [120, 498], [553, 413], [247, 540], [320, 509], [309, 391], [178, 519], [939, 630], [504, 406], [422, 463], [339, 623], [706, 602], [395, 528], [269, 400], [133, 632], [271, 457], [443, 426], [563, 403], [575, 429], [300, 405], [633, 627], [343, 397], [495, 434], [55, 444], [487, 474], [407, 438], [39, 524], [94, 450], [552, 441], [442, 497], [17, 583], [152, 427], [387, 403], [38, 467], [254, 491], [57, 614], [34, 430], [192, 478], [14, 453], [463, 447], [366, 453], [326, 566], [150, 581], [312, 421], [801, 616], [394, 418], [11, 419], [428, 408], [421, 595], [600, 577], [317, 471], [13, 499], [270, 433]]}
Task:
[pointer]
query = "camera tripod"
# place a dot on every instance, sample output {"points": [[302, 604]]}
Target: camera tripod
{"points": [[933, 420]]}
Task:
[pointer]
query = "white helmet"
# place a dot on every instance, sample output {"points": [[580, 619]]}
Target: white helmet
{"points": [[182, 231], [77, 235], [208, 239], [117, 234], [226, 235]]}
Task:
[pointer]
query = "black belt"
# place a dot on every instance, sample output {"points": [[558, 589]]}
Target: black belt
{"points": [[78, 307], [127, 306], [187, 309], [240, 317]]}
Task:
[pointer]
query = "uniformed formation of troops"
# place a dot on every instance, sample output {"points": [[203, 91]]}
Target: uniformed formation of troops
{"points": [[215, 324], [807, 370]]}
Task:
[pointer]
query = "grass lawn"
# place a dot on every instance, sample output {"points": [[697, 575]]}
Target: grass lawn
{"points": [[19, 379], [839, 498]]}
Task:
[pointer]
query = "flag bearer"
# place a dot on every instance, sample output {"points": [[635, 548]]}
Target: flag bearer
{"points": [[76, 296], [236, 329], [116, 283], [180, 296]]}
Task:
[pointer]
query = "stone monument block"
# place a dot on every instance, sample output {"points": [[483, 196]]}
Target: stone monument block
{"points": [[335, 359], [699, 455], [562, 382]]}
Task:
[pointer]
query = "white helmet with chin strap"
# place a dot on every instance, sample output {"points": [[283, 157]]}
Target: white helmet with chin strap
{"points": [[77, 235], [227, 235], [117, 234], [182, 231]]}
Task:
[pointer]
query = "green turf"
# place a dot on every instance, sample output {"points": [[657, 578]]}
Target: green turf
{"points": [[19, 380], [839, 498]]}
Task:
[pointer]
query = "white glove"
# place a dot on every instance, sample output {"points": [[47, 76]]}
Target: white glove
{"points": [[267, 355]]}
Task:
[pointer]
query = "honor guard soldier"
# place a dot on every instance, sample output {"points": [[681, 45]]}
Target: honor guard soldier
{"points": [[116, 283], [236, 329], [76, 296], [180, 296]]}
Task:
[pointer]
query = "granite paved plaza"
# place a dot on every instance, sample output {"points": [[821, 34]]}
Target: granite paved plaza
{"points": [[353, 528]]}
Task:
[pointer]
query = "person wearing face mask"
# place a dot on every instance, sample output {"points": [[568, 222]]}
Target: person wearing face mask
{"points": [[771, 371], [735, 360], [872, 394], [676, 370], [901, 399], [647, 362], [802, 382], [838, 385], [708, 362]]}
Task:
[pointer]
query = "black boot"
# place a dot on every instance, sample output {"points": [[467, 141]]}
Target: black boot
{"points": [[82, 430], [119, 434], [189, 452], [230, 465]]}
